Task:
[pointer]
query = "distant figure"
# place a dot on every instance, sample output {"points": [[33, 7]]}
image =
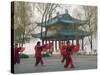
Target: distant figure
{"points": [[69, 61], [62, 48], [38, 55], [16, 54]]}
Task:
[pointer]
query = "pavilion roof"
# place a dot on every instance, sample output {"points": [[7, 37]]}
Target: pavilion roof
{"points": [[62, 35], [64, 19]]}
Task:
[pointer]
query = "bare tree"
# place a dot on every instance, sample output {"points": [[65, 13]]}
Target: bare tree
{"points": [[23, 23], [91, 16], [46, 11]]}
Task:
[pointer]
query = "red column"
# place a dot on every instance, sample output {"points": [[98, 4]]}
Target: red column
{"points": [[53, 45], [64, 42], [82, 44], [42, 42], [49, 44], [46, 42], [72, 42], [56, 45], [59, 45]]}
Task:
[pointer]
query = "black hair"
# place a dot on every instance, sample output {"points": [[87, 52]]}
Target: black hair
{"points": [[38, 42], [16, 44], [68, 42]]}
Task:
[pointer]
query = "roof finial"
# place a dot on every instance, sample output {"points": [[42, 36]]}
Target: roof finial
{"points": [[66, 11], [57, 13]]}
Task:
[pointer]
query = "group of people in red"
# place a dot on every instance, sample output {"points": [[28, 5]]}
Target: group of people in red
{"points": [[66, 52]]}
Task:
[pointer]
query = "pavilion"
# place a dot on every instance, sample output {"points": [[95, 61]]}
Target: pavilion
{"points": [[62, 27]]}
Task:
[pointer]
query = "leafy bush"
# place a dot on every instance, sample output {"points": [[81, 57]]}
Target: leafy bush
{"points": [[46, 55], [24, 56]]}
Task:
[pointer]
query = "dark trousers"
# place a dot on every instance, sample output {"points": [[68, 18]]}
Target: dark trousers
{"points": [[69, 62], [17, 59], [63, 58], [39, 60]]}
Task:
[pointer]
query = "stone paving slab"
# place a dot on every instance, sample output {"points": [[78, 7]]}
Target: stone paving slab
{"points": [[53, 64]]}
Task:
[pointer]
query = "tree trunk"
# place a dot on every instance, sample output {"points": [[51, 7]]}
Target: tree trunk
{"points": [[82, 44], [23, 38], [91, 43], [22, 41]]}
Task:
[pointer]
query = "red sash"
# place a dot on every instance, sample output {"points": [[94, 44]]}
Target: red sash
{"points": [[47, 47], [76, 48]]}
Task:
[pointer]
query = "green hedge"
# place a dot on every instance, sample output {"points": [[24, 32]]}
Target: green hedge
{"points": [[24, 56], [46, 55]]}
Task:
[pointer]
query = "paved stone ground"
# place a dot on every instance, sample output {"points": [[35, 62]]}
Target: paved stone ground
{"points": [[53, 64]]}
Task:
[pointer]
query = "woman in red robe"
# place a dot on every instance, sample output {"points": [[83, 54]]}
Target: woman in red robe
{"points": [[16, 54], [62, 51], [69, 61], [38, 55]]}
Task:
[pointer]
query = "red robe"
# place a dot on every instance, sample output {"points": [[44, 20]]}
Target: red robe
{"points": [[16, 55], [62, 49], [47, 47], [76, 48], [38, 50], [63, 52], [69, 61], [38, 55]]}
